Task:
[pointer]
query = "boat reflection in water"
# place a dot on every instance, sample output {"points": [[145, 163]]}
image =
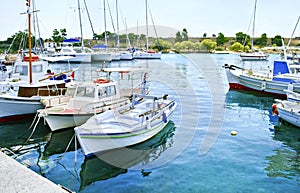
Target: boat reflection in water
{"points": [[18, 138], [285, 161], [115, 162]]}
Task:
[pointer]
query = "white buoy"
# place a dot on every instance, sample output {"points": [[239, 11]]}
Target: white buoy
{"points": [[233, 132]]}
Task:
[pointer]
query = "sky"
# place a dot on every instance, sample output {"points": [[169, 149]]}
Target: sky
{"points": [[273, 17]]}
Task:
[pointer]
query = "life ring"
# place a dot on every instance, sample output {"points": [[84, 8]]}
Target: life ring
{"points": [[101, 81], [33, 58]]}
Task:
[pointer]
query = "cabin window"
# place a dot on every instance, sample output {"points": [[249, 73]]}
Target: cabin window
{"points": [[37, 68], [23, 70], [107, 91], [85, 92]]}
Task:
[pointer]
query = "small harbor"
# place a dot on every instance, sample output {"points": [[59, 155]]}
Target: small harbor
{"points": [[195, 152]]}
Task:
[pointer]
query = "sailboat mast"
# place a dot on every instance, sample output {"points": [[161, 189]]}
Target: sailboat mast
{"points": [[105, 36], [146, 24], [118, 30], [79, 11], [253, 28], [29, 40]]}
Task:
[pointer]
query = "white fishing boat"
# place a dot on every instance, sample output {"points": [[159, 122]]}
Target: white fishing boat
{"points": [[125, 126], [22, 97], [90, 98], [289, 111], [27, 99], [273, 82]]}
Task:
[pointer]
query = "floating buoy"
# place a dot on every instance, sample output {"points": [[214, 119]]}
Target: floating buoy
{"points": [[233, 132], [274, 110]]}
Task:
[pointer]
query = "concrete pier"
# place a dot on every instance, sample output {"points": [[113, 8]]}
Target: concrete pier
{"points": [[15, 177]]}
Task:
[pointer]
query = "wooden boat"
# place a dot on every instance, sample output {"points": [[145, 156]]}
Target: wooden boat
{"points": [[22, 97], [126, 126]]}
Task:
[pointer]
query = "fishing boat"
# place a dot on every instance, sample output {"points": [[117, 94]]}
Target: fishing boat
{"points": [[112, 163], [273, 82], [254, 55], [125, 126], [90, 98], [21, 99], [288, 111]]}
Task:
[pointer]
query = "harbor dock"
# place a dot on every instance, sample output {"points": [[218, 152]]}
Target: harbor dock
{"points": [[16, 177]]}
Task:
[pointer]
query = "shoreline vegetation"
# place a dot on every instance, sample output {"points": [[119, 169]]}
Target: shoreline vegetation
{"points": [[182, 43]]}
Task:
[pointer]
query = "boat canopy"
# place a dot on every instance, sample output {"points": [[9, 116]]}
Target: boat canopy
{"points": [[72, 40], [280, 67]]}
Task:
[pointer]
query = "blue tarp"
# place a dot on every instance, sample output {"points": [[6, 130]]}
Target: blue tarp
{"points": [[280, 67], [99, 46], [72, 40]]}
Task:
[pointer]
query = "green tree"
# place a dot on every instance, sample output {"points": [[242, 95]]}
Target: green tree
{"points": [[262, 41], [161, 45], [188, 45], [178, 46], [208, 44], [204, 35], [178, 37], [241, 38], [237, 46], [277, 40], [184, 34], [221, 39], [59, 36]]}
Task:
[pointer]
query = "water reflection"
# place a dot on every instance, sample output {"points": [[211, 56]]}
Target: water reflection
{"points": [[19, 137], [95, 169], [286, 159]]}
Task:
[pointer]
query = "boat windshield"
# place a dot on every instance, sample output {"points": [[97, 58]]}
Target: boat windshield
{"points": [[85, 92]]}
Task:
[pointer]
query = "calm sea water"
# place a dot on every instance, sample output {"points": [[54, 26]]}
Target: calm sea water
{"points": [[194, 153]]}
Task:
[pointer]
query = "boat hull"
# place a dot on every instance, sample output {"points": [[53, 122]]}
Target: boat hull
{"points": [[62, 121], [240, 81], [110, 132], [253, 57], [17, 108], [76, 58], [100, 57], [146, 55], [289, 112], [126, 56], [93, 143]]}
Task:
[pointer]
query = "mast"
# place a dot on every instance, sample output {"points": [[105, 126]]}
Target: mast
{"points": [[29, 40], [253, 28], [105, 37], [146, 25], [82, 45], [117, 14]]}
